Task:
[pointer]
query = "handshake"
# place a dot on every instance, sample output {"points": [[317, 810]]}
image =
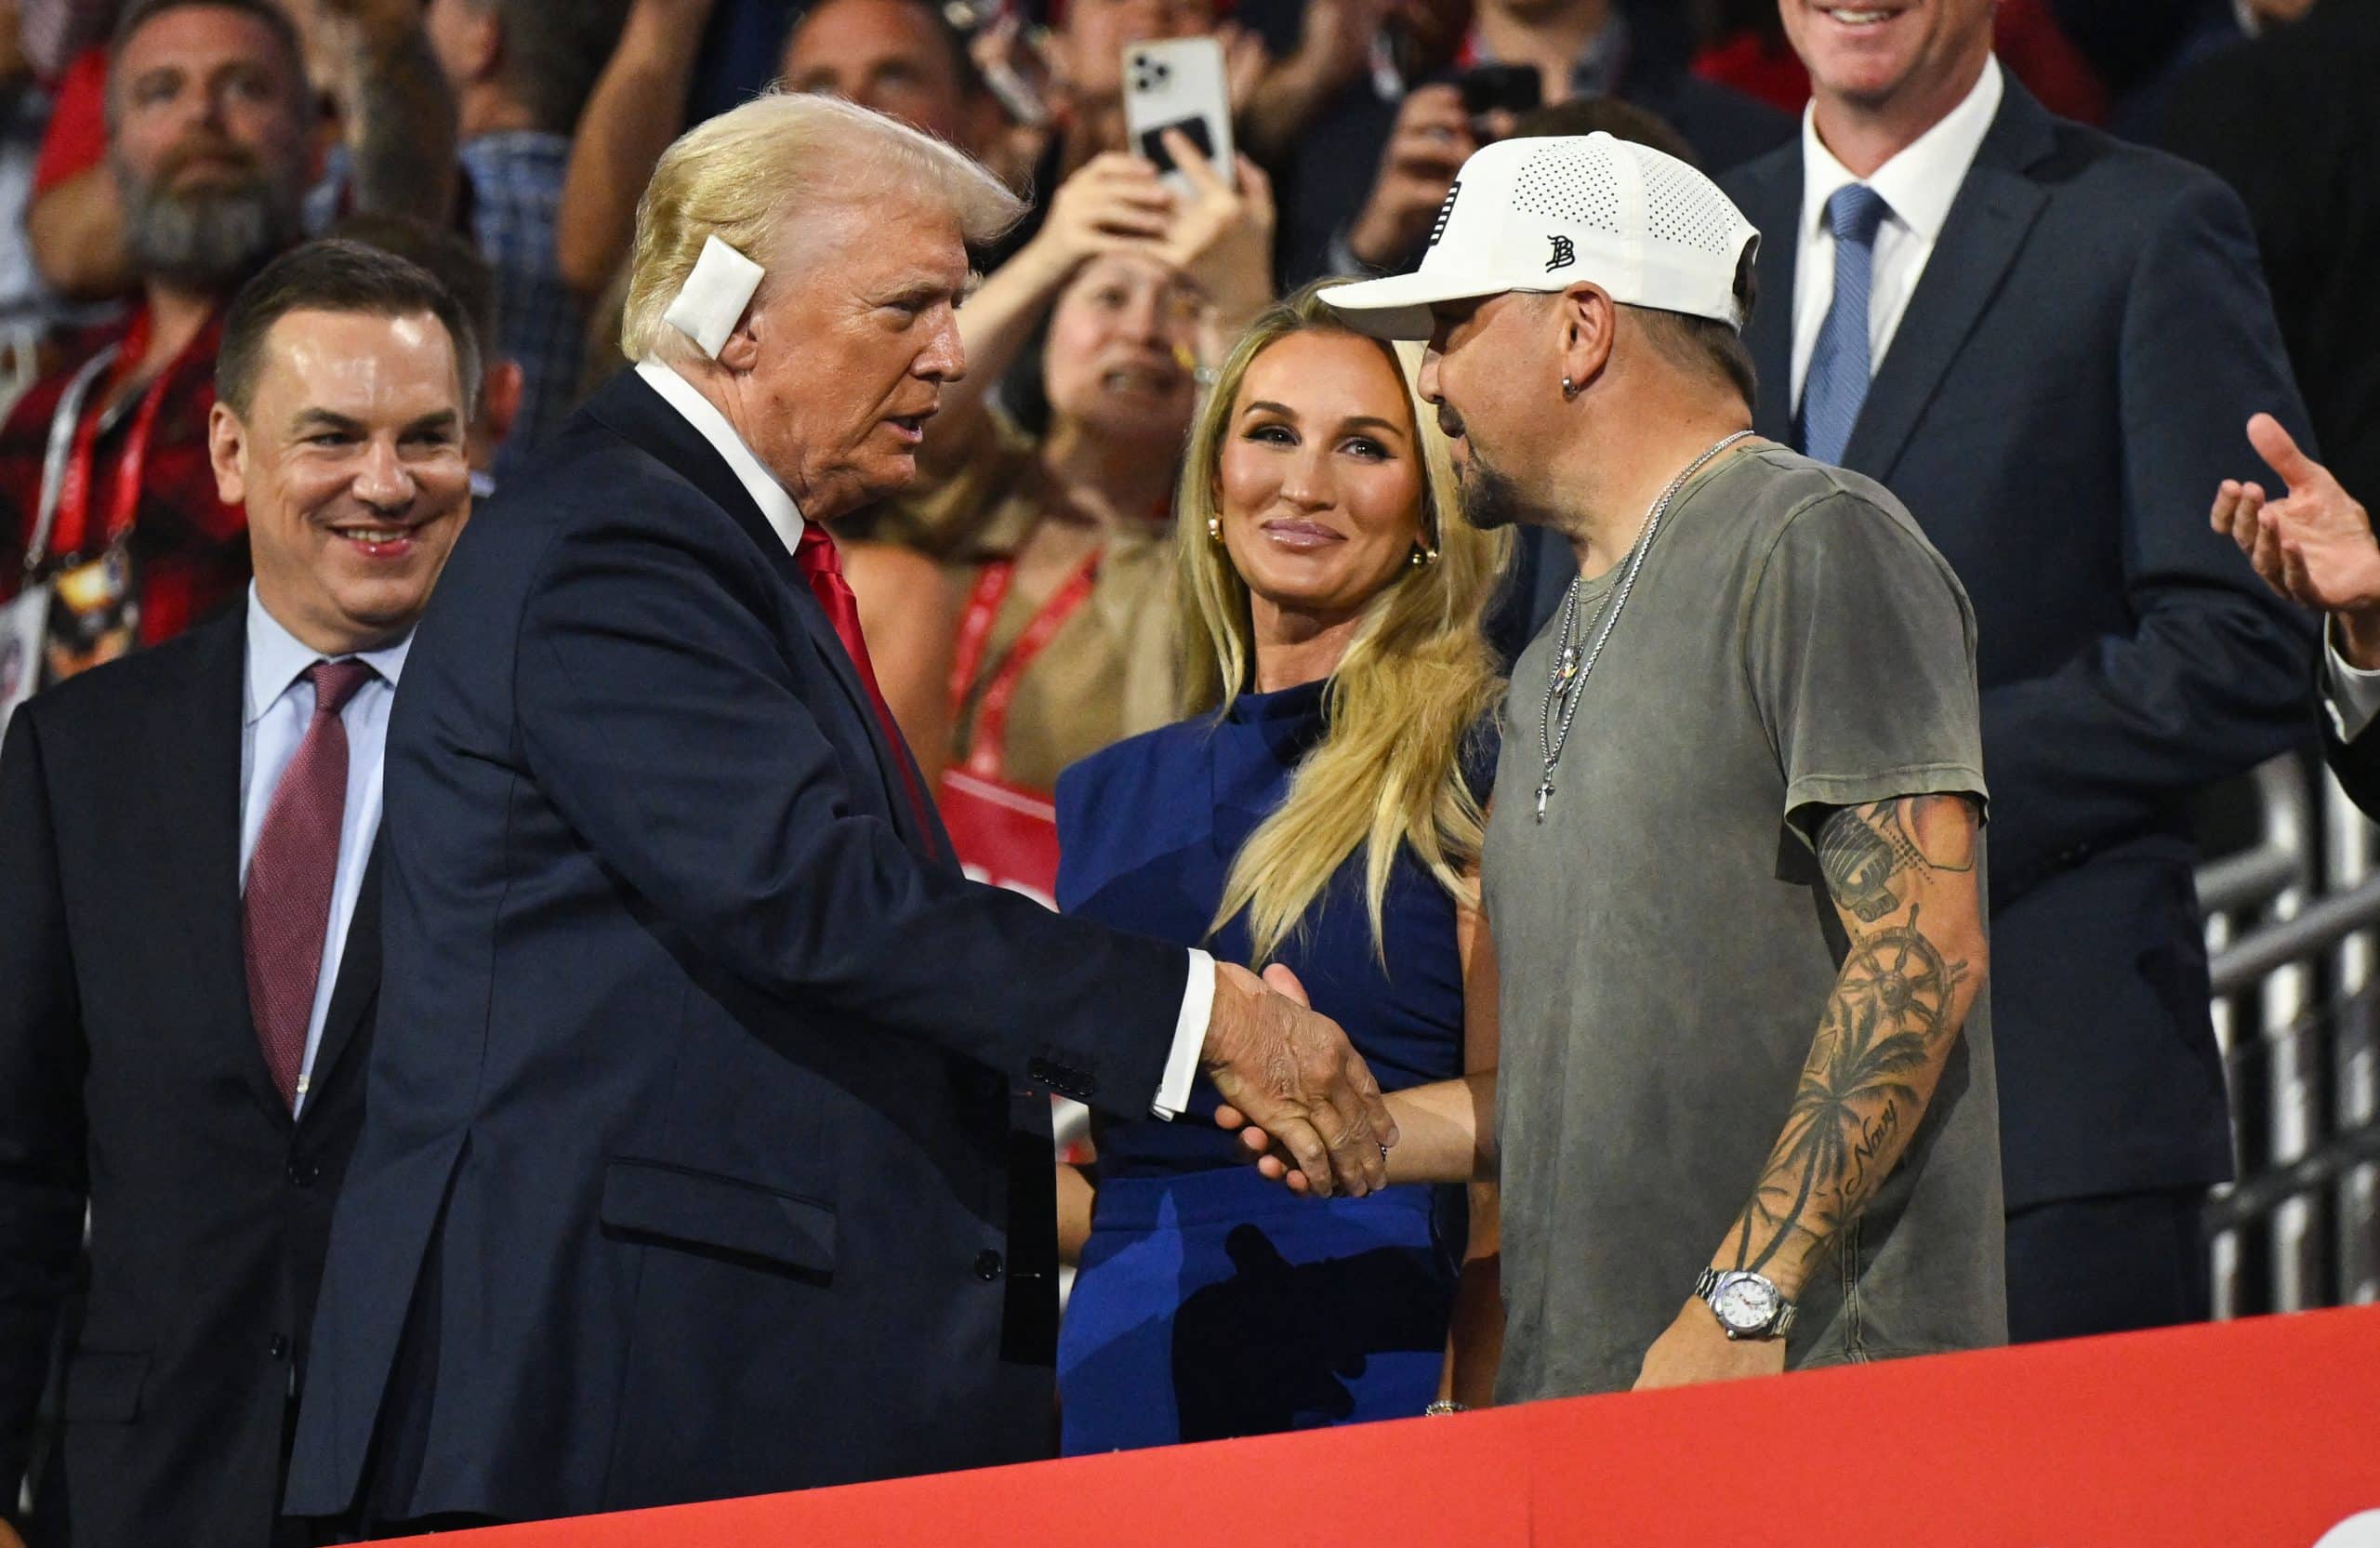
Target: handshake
{"points": [[1291, 1075]]}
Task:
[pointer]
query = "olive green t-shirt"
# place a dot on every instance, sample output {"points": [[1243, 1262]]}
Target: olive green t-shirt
{"points": [[1667, 945]]}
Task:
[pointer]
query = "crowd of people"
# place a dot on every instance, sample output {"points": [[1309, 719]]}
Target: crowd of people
{"points": [[1569, 693]]}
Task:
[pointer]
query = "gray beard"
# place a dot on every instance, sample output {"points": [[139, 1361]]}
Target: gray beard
{"points": [[208, 240]]}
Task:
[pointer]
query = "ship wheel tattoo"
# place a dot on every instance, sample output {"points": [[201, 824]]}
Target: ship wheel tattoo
{"points": [[1900, 977]]}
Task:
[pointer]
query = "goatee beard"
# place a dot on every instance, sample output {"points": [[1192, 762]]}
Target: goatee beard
{"points": [[207, 239], [1490, 499]]}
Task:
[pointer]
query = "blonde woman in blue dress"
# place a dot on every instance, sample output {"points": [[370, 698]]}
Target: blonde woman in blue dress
{"points": [[1320, 808]]}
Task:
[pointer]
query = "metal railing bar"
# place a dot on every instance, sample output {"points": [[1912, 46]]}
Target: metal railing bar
{"points": [[2320, 926], [2259, 1196], [2248, 879]]}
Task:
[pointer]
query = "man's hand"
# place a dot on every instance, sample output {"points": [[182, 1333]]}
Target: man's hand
{"points": [[1294, 1074], [2315, 547], [1428, 146], [1694, 1348], [9, 1538], [1256, 1146], [372, 26]]}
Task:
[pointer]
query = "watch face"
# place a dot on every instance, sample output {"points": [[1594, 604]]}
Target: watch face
{"points": [[1746, 1305]]}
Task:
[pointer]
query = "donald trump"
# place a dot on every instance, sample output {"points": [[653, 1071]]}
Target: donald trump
{"points": [[708, 1150]]}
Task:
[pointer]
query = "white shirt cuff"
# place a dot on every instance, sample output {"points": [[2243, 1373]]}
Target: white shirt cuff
{"points": [[2350, 693], [1189, 1037]]}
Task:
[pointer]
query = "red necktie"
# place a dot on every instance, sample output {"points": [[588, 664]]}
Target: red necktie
{"points": [[820, 566], [287, 909]]}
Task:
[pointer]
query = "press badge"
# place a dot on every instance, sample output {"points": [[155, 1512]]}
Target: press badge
{"points": [[24, 624], [94, 615]]}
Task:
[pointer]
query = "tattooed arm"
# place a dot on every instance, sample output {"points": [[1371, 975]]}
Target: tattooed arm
{"points": [[1902, 877]]}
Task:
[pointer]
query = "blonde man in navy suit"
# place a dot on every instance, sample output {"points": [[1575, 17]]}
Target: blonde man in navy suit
{"points": [[709, 1150]]}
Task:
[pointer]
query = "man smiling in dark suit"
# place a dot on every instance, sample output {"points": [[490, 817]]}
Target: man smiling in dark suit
{"points": [[2045, 341], [190, 925]]}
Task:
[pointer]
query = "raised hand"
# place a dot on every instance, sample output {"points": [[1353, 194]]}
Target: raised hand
{"points": [[1223, 237], [2314, 546], [1114, 200], [1293, 1074], [1431, 140]]}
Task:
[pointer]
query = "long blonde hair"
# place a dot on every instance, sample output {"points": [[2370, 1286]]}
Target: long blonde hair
{"points": [[1409, 693]]}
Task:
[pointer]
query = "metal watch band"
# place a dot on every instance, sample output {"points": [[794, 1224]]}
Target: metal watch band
{"points": [[1706, 1285]]}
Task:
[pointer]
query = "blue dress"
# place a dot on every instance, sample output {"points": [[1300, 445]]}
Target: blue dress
{"points": [[1211, 1303]]}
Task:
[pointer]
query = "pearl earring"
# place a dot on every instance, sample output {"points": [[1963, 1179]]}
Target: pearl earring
{"points": [[1215, 528]]}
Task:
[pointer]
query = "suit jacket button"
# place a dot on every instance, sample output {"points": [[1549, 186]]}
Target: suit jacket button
{"points": [[987, 1264], [280, 1347], [303, 1174]]}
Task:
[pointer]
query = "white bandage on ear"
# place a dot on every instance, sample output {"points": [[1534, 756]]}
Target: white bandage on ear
{"points": [[712, 300]]}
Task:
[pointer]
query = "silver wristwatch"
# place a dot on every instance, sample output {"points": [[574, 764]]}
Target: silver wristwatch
{"points": [[1746, 1305]]}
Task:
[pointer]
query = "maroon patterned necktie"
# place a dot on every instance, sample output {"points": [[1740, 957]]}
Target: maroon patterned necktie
{"points": [[819, 564], [287, 909]]}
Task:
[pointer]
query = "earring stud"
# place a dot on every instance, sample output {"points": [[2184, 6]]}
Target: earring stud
{"points": [[1568, 391], [1215, 528]]}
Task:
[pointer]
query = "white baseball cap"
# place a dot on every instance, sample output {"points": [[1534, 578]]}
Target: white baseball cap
{"points": [[1540, 213]]}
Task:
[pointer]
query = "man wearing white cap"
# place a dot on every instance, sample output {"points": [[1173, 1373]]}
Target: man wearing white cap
{"points": [[1744, 1118], [709, 1144]]}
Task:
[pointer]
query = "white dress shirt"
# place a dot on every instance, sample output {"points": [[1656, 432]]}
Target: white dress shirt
{"points": [[1917, 186], [785, 517], [279, 705]]}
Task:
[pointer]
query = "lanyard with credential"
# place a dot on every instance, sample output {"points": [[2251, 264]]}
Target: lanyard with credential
{"points": [[67, 464], [987, 749]]}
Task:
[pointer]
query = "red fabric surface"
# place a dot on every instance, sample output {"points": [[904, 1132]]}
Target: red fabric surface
{"points": [[2246, 1434]]}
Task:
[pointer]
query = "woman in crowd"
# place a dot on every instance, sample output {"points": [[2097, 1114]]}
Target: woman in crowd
{"points": [[1019, 605], [1321, 811]]}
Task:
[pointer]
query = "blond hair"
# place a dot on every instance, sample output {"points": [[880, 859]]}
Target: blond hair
{"points": [[1413, 688], [752, 173]]}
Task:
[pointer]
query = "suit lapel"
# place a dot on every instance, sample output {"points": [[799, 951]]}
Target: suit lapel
{"points": [[358, 981], [1986, 229], [1772, 201], [630, 405], [198, 872]]}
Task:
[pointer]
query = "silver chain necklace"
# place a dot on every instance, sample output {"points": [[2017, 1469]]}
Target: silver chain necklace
{"points": [[1568, 678]]}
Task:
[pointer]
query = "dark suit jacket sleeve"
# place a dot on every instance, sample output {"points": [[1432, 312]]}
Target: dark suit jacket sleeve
{"points": [[2357, 763], [658, 712], [42, 1164], [2213, 677]]}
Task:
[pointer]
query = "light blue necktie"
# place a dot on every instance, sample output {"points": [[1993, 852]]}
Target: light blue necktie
{"points": [[1837, 384]]}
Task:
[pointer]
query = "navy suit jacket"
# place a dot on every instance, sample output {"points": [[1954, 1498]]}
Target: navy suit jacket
{"points": [[2072, 378], [698, 1098], [2357, 765], [132, 1080]]}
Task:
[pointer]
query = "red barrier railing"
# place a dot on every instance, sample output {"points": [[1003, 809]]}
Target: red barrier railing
{"points": [[2263, 1433]]}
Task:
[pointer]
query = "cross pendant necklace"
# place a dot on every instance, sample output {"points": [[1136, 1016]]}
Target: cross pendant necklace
{"points": [[1565, 670], [1568, 681]]}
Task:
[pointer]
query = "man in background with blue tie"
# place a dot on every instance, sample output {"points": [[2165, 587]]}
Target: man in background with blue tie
{"points": [[2046, 342], [189, 926]]}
